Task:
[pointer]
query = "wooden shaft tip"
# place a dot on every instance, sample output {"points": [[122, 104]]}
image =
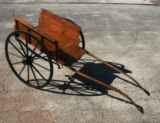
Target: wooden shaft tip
{"points": [[147, 92], [140, 109]]}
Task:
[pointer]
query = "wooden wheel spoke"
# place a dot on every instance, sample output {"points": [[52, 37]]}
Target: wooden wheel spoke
{"points": [[38, 56], [27, 40], [19, 41], [41, 66], [27, 47], [43, 58], [17, 63], [15, 55], [28, 73], [34, 75], [22, 70], [16, 48], [39, 72], [33, 51]]}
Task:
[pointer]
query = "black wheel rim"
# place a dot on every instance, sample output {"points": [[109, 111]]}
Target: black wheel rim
{"points": [[30, 63]]}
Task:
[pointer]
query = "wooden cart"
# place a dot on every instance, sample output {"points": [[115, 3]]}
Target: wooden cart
{"points": [[55, 40]]}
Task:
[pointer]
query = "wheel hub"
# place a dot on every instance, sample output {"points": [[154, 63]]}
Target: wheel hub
{"points": [[27, 60]]}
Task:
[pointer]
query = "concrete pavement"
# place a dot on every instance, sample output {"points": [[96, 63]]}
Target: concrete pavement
{"points": [[141, 2], [125, 34]]}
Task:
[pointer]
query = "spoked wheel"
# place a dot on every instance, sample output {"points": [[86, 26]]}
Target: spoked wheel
{"points": [[81, 37], [28, 59]]}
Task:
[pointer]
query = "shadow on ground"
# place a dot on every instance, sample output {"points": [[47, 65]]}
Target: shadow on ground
{"points": [[79, 86]]}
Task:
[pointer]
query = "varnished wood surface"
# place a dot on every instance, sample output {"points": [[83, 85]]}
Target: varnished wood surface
{"points": [[59, 28], [52, 29]]}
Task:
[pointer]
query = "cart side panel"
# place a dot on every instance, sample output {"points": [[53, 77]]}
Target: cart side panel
{"points": [[59, 26], [50, 46], [22, 25], [61, 40]]}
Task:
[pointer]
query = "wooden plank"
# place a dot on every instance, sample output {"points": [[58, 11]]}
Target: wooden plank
{"points": [[60, 26], [60, 29], [59, 23], [61, 41], [60, 20]]}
